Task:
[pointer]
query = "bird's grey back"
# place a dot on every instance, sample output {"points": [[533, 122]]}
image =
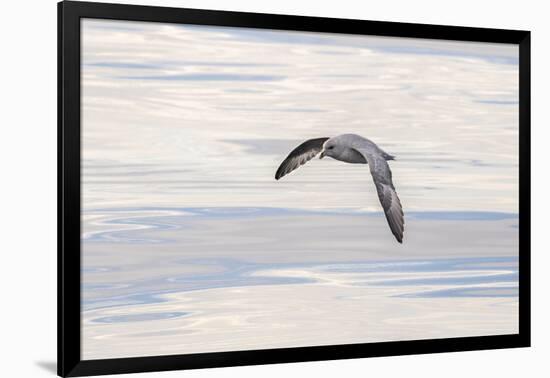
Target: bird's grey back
{"points": [[359, 142]]}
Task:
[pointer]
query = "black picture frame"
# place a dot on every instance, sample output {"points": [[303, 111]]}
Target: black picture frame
{"points": [[69, 275]]}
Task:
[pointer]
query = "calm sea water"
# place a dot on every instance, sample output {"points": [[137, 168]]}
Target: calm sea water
{"points": [[190, 245]]}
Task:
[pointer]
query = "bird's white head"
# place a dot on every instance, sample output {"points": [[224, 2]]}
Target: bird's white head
{"points": [[331, 148]]}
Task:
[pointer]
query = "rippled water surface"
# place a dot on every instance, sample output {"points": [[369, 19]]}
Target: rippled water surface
{"points": [[189, 244]]}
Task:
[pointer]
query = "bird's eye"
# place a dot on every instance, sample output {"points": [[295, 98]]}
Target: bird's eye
{"points": [[331, 147]]}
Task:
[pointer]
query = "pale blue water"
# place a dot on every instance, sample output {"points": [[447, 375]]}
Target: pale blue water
{"points": [[236, 273], [189, 244], [208, 266]]}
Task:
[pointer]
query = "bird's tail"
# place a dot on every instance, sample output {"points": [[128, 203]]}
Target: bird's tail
{"points": [[388, 156]]}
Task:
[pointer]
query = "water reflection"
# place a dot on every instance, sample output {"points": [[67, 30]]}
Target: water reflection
{"points": [[139, 317], [189, 244], [207, 77], [488, 277], [177, 268]]}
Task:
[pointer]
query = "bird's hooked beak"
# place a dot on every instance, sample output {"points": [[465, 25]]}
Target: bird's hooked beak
{"points": [[322, 154]]}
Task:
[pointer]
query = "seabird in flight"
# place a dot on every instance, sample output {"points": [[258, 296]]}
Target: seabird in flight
{"points": [[355, 149]]}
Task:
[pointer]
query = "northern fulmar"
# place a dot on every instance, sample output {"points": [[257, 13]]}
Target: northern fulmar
{"points": [[352, 148]]}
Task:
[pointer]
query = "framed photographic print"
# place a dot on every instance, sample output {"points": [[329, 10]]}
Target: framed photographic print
{"points": [[239, 188]]}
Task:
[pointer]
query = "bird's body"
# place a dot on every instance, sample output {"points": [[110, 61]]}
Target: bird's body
{"points": [[354, 149], [346, 148]]}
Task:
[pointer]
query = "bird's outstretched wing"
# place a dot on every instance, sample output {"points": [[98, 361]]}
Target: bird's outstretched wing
{"points": [[300, 155], [381, 174]]}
